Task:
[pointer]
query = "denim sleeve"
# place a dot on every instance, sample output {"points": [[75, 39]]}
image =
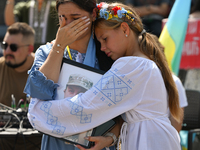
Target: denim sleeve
{"points": [[37, 85]]}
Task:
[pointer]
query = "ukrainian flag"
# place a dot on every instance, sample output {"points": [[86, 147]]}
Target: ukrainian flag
{"points": [[173, 34]]}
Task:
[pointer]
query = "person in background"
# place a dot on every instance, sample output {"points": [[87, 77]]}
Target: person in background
{"points": [[39, 14], [182, 101], [152, 12], [75, 40], [17, 59], [194, 14], [195, 9], [139, 86]]}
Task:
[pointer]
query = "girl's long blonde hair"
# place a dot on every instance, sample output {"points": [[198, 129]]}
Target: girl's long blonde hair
{"points": [[151, 47]]}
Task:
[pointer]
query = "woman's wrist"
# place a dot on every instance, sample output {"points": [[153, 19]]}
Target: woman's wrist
{"points": [[111, 137], [110, 140], [58, 48]]}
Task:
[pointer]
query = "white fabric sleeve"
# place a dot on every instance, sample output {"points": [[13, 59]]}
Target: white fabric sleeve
{"points": [[119, 90], [181, 91]]}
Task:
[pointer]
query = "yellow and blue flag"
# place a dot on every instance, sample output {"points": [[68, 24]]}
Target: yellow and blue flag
{"points": [[173, 34]]}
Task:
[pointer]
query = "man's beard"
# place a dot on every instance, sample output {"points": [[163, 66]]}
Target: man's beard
{"points": [[15, 65]]}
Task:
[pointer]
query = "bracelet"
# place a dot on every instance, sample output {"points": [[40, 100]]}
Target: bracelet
{"points": [[9, 2], [115, 139], [58, 45]]}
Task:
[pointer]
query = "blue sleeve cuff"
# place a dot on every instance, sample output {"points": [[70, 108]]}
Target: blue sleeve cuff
{"points": [[38, 86]]}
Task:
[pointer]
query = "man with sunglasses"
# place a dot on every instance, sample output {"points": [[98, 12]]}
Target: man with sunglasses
{"points": [[17, 59]]}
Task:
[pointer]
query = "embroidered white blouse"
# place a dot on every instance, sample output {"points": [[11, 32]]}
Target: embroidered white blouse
{"points": [[133, 87]]}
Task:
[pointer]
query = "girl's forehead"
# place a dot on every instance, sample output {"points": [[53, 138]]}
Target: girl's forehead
{"points": [[100, 32]]}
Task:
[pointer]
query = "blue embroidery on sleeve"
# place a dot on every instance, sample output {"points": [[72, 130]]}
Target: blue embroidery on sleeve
{"points": [[46, 106], [52, 120], [86, 118], [103, 99], [113, 87], [77, 110], [95, 92], [58, 130], [129, 81]]}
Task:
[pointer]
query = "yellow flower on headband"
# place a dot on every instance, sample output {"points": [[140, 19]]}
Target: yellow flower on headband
{"points": [[116, 12], [110, 16], [116, 16]]}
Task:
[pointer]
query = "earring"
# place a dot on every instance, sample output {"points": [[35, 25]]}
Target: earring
{"points": [[126, 35]]}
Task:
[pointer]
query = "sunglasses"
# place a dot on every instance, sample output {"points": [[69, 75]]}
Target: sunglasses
{"points": [[13, 47]]}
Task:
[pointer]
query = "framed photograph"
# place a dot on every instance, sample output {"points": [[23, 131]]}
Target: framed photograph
{"points": [[76, 75], [77, 78], [79, 139]]}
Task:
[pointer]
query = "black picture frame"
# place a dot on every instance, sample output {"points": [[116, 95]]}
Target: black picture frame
{"points": [[71, 67], [68, 68]]}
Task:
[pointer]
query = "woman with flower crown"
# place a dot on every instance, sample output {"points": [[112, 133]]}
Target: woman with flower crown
{"points": [[139, 87]]}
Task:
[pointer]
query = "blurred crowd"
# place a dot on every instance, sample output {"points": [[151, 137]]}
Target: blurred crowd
{"points": [[152, 13]]}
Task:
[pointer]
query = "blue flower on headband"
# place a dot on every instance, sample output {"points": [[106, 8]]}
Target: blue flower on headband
{"points": [[121, 13], [112, 14], [104, 14]]}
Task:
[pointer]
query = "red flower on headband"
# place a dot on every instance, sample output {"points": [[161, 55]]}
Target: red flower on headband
{"points": [[100, 5], [115, 9]]}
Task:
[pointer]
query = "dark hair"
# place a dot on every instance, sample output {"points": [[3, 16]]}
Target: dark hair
{"points": [[87, 5], [195, 6], [150, 46], [23, 28]]}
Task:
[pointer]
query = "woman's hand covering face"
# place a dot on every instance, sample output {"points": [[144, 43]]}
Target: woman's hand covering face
{"points": [[68, 33]]}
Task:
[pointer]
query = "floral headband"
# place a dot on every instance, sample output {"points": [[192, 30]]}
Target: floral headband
{"points": [[116, 13]]}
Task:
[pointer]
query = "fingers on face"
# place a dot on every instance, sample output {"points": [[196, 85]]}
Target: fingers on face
{"points": [[75, 28], [80, 25], [61, 21]]}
